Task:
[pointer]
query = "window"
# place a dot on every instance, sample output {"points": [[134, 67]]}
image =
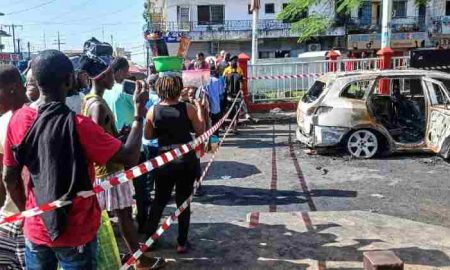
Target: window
{"points": [[356, 90], [399, 9], [314, 92], [437, 94], [270, 8], [447, 8], [209, 15], [249, 9]]}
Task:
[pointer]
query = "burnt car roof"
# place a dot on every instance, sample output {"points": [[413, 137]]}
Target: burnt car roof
{"points": [[387, 72]]}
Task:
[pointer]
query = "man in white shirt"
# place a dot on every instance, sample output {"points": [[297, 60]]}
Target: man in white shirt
{"points": [[12, 241]]}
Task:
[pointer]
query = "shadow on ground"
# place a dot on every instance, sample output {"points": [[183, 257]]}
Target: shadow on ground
{"points": [[230, 170], [229, 246], [232, 196]]}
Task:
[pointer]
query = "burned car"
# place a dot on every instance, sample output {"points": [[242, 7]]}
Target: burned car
{"points": [[371, 112]]}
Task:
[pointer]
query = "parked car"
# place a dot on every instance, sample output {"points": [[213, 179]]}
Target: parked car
{"points": [[370, 112]]}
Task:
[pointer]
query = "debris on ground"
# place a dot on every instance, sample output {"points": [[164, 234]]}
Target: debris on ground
{"points": [[379, 196], [310, 152], [276, 110]]}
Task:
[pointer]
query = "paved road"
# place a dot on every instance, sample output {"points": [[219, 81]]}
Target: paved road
{"points": [[261, 171]]}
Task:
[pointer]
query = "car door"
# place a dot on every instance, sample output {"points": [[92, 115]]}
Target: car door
{"points": [[438, 126]]}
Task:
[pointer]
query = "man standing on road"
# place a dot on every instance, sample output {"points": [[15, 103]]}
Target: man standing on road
{"points": [[12, 241], [66, 236]]}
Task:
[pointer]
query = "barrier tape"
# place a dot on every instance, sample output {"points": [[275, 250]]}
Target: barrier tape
{"points": [[280, 77], [124, 176], [169, 221]]}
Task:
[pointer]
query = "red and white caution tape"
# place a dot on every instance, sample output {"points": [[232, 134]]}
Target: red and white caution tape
{"points": [[281, 77], [124, 176], [169, 221]]}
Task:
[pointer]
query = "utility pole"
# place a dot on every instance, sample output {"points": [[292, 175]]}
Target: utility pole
{"points": [[18, 45], [29, 50], [112, 41], [45, 41], [12, 28], [255, 5], [386, 24], [58, 42]]}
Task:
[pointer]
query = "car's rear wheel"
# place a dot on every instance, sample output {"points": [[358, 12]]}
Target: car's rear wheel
{"points": [[363, 144]]}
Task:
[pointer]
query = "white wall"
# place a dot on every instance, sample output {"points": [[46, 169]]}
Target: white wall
{"points": [[411, 9], [437, 7], [324, 9], [234, 9]]}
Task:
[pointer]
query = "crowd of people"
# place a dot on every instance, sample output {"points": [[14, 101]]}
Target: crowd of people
{"points": [[69, 124]]}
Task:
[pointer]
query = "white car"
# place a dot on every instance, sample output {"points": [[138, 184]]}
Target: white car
{"points": [[372, 111]]}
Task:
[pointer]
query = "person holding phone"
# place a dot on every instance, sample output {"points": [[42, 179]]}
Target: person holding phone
{"points": [[120, 97], [120, 198]]}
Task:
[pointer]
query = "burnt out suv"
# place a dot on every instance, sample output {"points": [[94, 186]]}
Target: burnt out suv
{"points": [[372, 111]]}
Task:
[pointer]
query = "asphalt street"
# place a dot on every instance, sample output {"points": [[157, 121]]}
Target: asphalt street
{"points": [[263, 172]]}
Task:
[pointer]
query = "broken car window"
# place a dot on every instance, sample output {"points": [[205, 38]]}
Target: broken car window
{"points": [[314, 92], [437, 95], [356, 90]]}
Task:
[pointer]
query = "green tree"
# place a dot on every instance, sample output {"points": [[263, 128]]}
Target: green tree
{"points": [[309, 26]]}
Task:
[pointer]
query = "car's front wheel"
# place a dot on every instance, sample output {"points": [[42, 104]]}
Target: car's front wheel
{"points": [[363, 144]]}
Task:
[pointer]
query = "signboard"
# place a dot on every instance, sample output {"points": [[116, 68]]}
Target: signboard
{"points": [[9, 57], [398, 40], [184, 47]]}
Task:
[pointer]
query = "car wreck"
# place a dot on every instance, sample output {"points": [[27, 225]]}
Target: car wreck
{"points": [[371, 112]]}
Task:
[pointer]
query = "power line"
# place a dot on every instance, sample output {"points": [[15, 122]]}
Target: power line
{"points": [[31, 8], [71, 9]]}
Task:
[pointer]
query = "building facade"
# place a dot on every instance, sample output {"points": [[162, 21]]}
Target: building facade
{"points": [[215, 25]]}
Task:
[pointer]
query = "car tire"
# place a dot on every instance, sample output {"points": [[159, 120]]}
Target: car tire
{"points": [[363, 144]]}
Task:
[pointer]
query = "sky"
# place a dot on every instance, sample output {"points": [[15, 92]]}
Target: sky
{"points": [[116, 21]]}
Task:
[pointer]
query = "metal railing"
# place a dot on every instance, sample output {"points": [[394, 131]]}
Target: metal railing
{"points": [[227, 25], [271, 82], [398, 24]]}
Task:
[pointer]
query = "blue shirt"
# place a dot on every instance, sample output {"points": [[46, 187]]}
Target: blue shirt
{"points": [[153, 100], [215, 88]]}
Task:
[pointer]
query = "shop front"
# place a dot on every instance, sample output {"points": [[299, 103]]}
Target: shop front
{"points": [[9, 58], [367, 45]]}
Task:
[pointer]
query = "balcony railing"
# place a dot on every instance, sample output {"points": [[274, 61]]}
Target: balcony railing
{"points": [[229, 25], [360, 25], [441, 25]]}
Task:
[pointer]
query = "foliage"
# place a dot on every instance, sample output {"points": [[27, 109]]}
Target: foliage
{"points": [[310, 26]]}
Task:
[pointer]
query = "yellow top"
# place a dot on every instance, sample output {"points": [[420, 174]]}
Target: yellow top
{"points": [[110, 128], [230, 70]]}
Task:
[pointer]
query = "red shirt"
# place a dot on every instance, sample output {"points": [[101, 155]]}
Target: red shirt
{"points": [[84, 216]]}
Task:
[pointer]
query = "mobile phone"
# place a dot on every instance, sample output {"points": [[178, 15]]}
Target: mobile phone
{"points": [[198, 93], [129, 86]]}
